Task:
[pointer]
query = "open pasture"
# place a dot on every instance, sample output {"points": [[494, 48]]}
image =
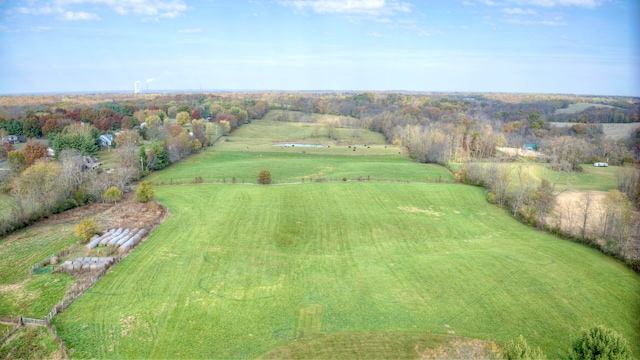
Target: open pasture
{"points": [[265, 135], [239, 271], [219, 166], [590, 179], [250, 149]]}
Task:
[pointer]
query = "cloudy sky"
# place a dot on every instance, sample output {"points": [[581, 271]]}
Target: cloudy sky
{"points": [[549, 46]]}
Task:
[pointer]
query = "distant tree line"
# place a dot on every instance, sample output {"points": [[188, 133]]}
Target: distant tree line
{"points": [[148, 138]]}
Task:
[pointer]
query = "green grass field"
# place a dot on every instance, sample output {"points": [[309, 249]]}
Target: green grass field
{"points": [[20, 292], [219, 166], [237, 271], [30, 343], [591, 178], [250, 149]]}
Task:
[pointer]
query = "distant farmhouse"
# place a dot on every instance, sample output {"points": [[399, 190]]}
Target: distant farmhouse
{"points": [[106, 140]]}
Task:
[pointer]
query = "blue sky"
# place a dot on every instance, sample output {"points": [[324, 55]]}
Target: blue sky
{"points": [[548, 46]]}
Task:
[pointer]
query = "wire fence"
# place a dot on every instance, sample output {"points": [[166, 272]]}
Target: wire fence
{"points": [[234, 180]]}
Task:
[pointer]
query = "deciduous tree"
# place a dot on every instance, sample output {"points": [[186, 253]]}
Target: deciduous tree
{"points": [[86, 228], [17, 162], [31, 127], [183, 118], [34, 150], [264, 177], [144, 192], [112, 194]]}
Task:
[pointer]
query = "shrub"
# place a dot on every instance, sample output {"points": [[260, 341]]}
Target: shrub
{"points": [[197, 180], [520, 350], [600, 342], [145, 192], [86, 228], [17, 162], [264, 177], [344, 178], [112, 194]]}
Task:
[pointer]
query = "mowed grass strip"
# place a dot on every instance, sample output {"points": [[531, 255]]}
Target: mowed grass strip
{"points": [[237, 271]]}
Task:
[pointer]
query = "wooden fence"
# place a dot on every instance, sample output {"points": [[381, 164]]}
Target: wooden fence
{"points": [[16, 321], [33, 322]]}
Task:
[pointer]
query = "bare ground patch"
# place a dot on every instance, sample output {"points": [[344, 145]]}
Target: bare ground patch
{"points": [[125, 214], [519, 152], [413, 209], [568, 212]]}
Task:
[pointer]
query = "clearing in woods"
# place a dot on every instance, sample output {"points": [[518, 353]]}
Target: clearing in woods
{"points": [[378, 268], [613, 131]]}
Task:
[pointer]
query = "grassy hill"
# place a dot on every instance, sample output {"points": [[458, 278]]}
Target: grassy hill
{"points": [[307, 269], [239, 270]]}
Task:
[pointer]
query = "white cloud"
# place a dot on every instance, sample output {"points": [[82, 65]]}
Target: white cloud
{"points": [[468, 3], [37, 29], [80, 15], [353, 7], [420, 31], [519, 21], [553, 23], [518, 11], [375, 34], [488, 2], [67, 9], [554, 3], [189, 31]]}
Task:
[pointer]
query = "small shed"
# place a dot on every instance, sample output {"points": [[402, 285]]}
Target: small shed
{"points": [[530, 147]]}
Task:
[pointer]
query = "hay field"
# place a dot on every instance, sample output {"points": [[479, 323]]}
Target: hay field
{"points": [[237, 271], [613, 131], [580, 107], [243, 271], [250, 149]]}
